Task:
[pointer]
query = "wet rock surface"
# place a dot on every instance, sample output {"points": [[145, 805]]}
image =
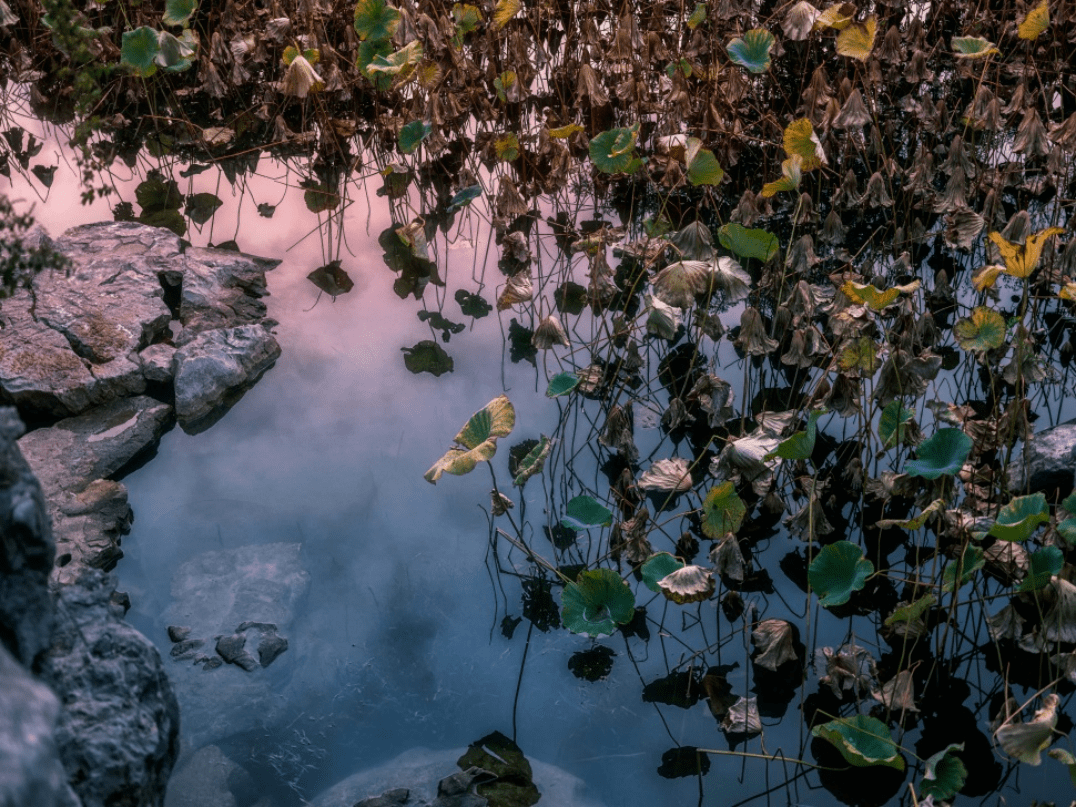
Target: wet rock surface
{"points": [[232, 609], [1048, 462]]}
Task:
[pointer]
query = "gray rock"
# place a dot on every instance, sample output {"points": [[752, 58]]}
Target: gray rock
{"points": [[31, 773], [231, 647], [214, 593], [270, 648], [73, 459], [26, 550], [208, 778], [157, 362], [177, 633], [118, 731], [1048, 462], [215, 365], [186, 648], [421, 771], [221, 289]]}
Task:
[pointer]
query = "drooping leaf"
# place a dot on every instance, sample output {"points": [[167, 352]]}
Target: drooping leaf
{"points": [[504, 11], [973, 47], [139, 51], [944, 774], [495, 419], [752, 51], [704, 169], [800, 445], [202, 206], [1021, 259], [943, 453], [1035, 23], [742, 719], [960, 572], [1043, 564], [892, 425], [876, 299], [698, 16], [1027, 741], [857, 40], [533, 462], [178, 12], [612, 151], [983, 330], [837, 16], [800, 139], [584, 512], [863, 741], [596, 603], [1020, 517], [723, 511], [791, 176], [562, 384], [176, 53], [931, 510], [562, 132], [748, 243], [859, 357], [775, 643], [689, 584], [412, 134], [663, 319], [301, 79], [376, 20], [518, 289], [667, 475], [837, 571]]}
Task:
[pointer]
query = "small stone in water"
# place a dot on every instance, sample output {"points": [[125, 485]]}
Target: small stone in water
{"points": [[231, 647], [270, 647], [177, 633]]}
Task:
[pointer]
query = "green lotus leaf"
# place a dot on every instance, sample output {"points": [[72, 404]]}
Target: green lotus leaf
{"points": [[944, 774], [972, 47], [892, 428], [202, 206], [178, 12], [413, 133], [657, 567], [837, 571], [910, 612], [376, 20], [1042, 565], [369, 50], [698, 16], [176, 53], [562, 384], [752, 51], [533, 462], [596, 603], [704, 169], [1020, 517], [944, 453], [859, 357], [612, 150], [400, 65], [464, 197], [584, 512], [748, 243], [800, 445], [863, 741], [983, 330], [723, 511], [139, 51], [959, 572]]}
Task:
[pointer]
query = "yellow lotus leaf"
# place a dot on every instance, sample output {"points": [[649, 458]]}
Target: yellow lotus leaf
{"points": [[986, 277], [505, 10], [565, 131], [838, 16], [1036, 21], [791, 174], [857, 40], [1068, 292], [801, 139], [875, 298], [1021, 259]]}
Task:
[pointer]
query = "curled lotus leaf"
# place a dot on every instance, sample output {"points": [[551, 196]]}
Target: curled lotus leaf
{"points": [[799, 21], [679, 283], [973, 47], [412, 134], [1021, 259], [518, 289], [800, 445], [533, 462], [742, 719], [876, 299], [1043, 564], [893, 424], [657, 567], [1067, 759], [689, 584], [775, 643], [669, 475], [944, 773], [857, 39], [549, 332], [898, 693], [1026, 741], [399, 65], [1018, 519], [911, 612], [837, 16], [943, 454], [1035, 23], [662, 320], [704, 169], [838, 570], [800, 139], [612, 151], [959, 572], [477, 440], [752, 51], [562, 384], [596, 603], [301, 79], [862, 740], [932, 510], [791, 176]]}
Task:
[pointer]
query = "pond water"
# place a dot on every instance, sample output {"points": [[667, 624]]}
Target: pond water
{"points": [[398, 643]]}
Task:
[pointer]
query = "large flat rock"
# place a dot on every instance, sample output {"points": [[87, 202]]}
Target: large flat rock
{"points": [[1047, 463]]}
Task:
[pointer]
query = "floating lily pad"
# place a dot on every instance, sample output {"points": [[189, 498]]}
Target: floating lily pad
{"points": [[748, 243], [1042, 565], [837, 571], [562, 384], [1018, 519], [584, 512], [752, 51], [944, 774], [863, 741], [944, 453], [723, 511], [596, 603], [657, 567]]}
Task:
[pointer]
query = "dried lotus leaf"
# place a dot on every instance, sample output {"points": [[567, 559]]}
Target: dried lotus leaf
{"points": [[689, 584], [667, 475]]}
